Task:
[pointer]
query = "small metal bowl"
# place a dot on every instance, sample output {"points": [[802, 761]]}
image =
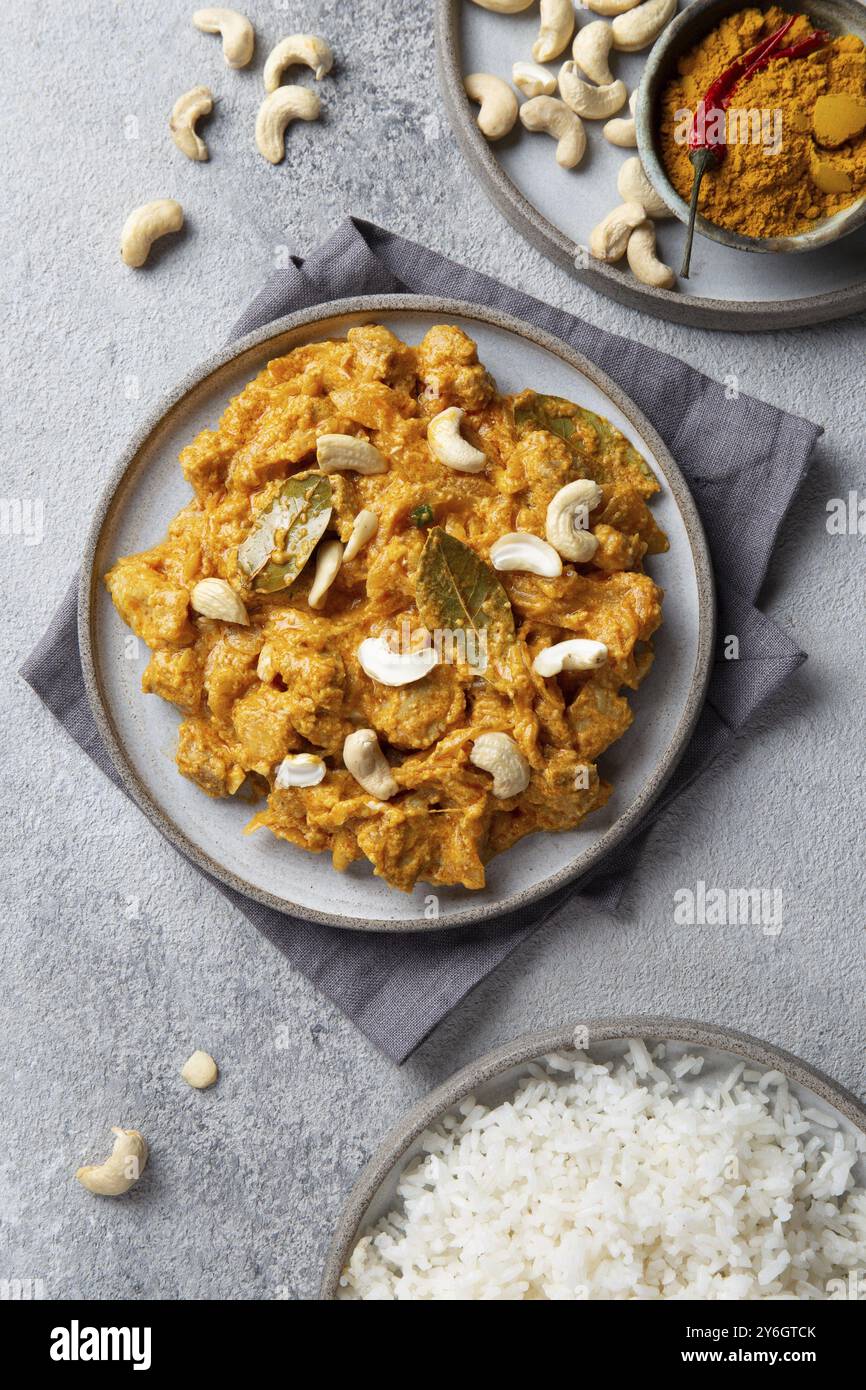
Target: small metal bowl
{"points": [[838, 16]]}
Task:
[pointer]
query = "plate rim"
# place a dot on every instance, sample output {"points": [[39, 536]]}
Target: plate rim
{"points": [[385, 304], [532, 1046], [747, 316]]}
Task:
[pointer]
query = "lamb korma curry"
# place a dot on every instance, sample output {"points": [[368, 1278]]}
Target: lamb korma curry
{"points": [[401, 608]]}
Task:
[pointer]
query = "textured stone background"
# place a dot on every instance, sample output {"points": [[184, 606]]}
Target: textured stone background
{"points": [[118, 961]]}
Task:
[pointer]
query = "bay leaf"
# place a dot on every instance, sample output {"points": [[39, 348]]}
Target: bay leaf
{"points": [[457, 591], [299, 515], [617, 460]]}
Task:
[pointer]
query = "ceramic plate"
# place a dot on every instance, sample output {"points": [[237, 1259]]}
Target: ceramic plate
{"points": [[556, 209], [140, 731], [492, 1079]]}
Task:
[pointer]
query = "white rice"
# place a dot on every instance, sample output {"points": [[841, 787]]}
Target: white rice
{"points": [[614, 1181]]}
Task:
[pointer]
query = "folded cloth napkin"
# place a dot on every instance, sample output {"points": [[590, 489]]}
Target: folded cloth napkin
{"points": [[743, 460]]}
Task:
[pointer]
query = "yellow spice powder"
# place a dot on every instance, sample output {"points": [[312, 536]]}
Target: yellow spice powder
{"points": [[755, 191]]}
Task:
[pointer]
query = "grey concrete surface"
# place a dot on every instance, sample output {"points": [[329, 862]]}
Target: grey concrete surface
{"points": [[118, 961]]}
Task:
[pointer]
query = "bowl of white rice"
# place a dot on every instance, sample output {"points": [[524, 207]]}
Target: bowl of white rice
{"points": [[657, 1159]]}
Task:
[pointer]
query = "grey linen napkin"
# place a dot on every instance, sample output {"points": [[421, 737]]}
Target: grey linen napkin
{"points": [[743, 460]]}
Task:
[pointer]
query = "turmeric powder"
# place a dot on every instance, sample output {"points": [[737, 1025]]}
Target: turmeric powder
{"points": [[774, 180]]}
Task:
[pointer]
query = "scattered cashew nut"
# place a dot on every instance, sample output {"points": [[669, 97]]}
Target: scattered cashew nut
{"points": [[123, 1167], [238, 35], [577, 654], [276, 111], [504, 6], [447, 444], [300, 770], [145, 225], [611, 7], [622, 130], [368, 765], [641, 27], [184, 114], [307, 49], [364, 528], [594, 103], [566, 523], [643, 261], [633, 186], [591, 49], [381, 663], [347, 453], [497, 101], [557, 27], [520, 550], [608, 241], [329, 558], [555, 118], [215, 598], [499, 754], [200, 1071], [533, 80]]}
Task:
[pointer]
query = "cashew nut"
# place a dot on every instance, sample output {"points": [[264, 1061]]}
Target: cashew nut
{"points": [[299, 770], [533, 80], [645, 264], [447, 444], [307, 49], [497, 101], [144, 225], [184, 114], [329, 558], [520, 550], [238, 35], [633, 186], [381, 663], [621, 130], [594, 103], [557, 27], [364, 528], [577, 654], [567, 521], [611, 7], [343, 453], [200, 1071], [607, 241], [276, 111], [214, 598], [640, 28], [368, 765], [499, 754], [553, 116], [121, 1169], [591, 50], [504, 6]]}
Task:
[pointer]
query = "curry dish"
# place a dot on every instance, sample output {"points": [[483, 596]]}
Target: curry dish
{"points": [[401, 609]]}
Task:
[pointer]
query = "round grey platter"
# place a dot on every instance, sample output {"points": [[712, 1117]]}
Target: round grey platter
{"points": [[556, 209], [148, 489], [493, 1078]]}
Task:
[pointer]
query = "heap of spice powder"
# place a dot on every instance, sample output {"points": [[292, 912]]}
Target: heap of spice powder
{"points": [[764, 188]]}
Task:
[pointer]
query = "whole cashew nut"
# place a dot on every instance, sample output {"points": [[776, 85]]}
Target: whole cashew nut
{"points": [[499, 754], [276, 111], [300, 770], [307, 49], [593, 103], [238, 35], [557, 27], [447, 444], [555, 118], [186, 111], [640, 28], [364, 528], [215, 598], [347, 453], [533, 80], [611, 7], [643, 261], [608, 241], [567, 521], [381, 663], [633, 186], [329, 558], [497, 101], [591, 49], [145, 225], [621, 130], [520, 550], [577, 654], [121, 1169], [368, 765], [504, 6]]}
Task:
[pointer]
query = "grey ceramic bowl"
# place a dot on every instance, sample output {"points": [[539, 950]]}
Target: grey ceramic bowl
{"points": [[837, 16], [494, 1077]]}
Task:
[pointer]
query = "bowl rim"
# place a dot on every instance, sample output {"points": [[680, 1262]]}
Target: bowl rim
{"points": [[686, 27], [529, 1047]]}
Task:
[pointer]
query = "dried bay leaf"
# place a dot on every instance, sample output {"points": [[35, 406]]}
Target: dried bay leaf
{"points": [[297, 520], [617, 460], [457, 591]]}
